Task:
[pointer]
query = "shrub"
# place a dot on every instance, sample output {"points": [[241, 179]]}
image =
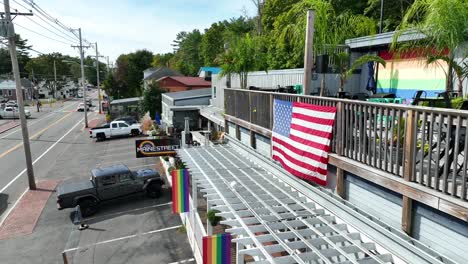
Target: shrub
{"points": [[213, 218]]}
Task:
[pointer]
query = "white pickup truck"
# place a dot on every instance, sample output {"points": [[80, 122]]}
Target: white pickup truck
{"points": [[115, 129], [12, 112]]}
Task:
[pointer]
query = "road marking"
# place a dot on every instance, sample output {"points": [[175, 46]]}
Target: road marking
{"points": [[33, 136], [124, 237], [128, 211], [40, 157], [7, 213], [183, 261], [32, 123]]}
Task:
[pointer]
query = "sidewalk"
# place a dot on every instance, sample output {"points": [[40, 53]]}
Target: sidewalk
{"points": [[6, 125]]}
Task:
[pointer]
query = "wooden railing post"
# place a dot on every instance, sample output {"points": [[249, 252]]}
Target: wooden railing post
{"points": [[340, 173], [271, 110], [253, 141], [408, 173]]}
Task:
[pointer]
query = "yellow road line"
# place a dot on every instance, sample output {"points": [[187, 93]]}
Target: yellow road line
{"points": [[33, 136]]}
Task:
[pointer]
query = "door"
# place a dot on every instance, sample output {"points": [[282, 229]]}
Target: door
{"points": [[124, 129], [115, 130], [108, 187], [127, 183]]}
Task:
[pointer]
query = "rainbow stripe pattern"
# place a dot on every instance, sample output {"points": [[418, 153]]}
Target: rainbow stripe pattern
{"points": [[409, 73], [217, 249], [180, 191]]}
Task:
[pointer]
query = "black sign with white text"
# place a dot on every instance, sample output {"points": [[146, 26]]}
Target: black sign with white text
{"points": [[156, 147]]}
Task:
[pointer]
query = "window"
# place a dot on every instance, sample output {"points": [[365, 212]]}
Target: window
{"points": [[108, 180], [123, 125], [125, 177], [214, 91], [114, 125], [8, 109], [9, 92]]}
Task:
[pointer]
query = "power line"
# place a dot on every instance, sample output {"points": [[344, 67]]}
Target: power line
{"points": [[50, 18], [62, 34], [16, 24]]}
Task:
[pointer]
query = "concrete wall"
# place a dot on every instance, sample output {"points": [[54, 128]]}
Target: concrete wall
{"points": [[245, 136]]}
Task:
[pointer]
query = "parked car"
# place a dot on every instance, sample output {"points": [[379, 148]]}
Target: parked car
{"points": [[89, 102], [115, 129], [81, 107], [13, 112], [106, 184], [11, 103], [129, 119], [3, 99]]}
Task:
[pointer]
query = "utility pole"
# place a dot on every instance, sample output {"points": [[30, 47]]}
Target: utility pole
{"points": [[309, 52], [55, 81], [97, 75], [19, 97], [108, 65], [80, 47]]}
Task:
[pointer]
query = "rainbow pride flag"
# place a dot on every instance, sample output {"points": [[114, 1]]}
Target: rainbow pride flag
{"points": [[217, 249], [180, 191]]}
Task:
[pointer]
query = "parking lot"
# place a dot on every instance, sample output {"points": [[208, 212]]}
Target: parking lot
{"points": [[134, 229]]}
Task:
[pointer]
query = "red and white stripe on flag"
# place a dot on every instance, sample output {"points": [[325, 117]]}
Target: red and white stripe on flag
{"points": [[301, 138]]}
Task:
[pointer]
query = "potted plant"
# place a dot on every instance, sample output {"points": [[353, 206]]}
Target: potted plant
{"points": [[213, 218]]}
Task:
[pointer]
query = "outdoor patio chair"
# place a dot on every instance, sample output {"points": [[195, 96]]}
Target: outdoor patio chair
{"points": [[418, 95], [361, 96], [445, 95]]}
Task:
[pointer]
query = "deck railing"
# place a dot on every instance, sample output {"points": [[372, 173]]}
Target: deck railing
{"points": [[423, 145]]}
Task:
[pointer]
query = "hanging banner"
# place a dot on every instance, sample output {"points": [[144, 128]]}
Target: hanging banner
{"points": [[180, 191], [217, 249]]}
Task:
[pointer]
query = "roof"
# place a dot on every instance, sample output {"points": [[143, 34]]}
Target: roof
{"points": [[107, 171], [10, 84], [189, 94], [213, 70], [277, 218], [126, 100], [381, 39], [161, 72], [189, 81]]}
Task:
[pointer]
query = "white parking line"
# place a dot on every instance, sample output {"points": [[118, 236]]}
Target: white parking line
{"points": [[128, 211], [184, 261], [124, 237]]}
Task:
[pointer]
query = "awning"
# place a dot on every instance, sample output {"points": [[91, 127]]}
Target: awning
{"points": [[214, 114], [271, 220]]}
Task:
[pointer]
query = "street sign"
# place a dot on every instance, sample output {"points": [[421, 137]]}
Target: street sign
{"points": [[156, 147]]}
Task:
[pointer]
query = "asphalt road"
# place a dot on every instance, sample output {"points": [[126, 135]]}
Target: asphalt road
{"points": [[51, 133], [131, 230]]}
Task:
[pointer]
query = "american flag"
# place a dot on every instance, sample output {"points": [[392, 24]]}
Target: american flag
{"points": [[301, 138]]}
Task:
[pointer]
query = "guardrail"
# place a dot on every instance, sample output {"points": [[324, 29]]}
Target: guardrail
{"points": [[423, 145]]}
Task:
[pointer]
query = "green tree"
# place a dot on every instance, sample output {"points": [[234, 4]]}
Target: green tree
{"points": [[244, 55], [393, 12], [188, 58], [22, 49], [151, 101], [342, 62], [286, 48], [163, 60], [444, 24], [212, 43], [137, 63], [274, 8]]}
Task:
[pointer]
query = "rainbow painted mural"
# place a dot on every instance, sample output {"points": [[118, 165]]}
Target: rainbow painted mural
{"points": [[407, 74], [217, 249]]}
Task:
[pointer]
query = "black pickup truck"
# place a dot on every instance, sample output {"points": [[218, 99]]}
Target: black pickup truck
{"points": [[106, 184]]}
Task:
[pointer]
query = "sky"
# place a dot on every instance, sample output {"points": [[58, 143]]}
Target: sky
{"points": [[120, 26]]}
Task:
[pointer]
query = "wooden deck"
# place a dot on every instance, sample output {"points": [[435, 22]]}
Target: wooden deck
{"points": [[419, 149]]}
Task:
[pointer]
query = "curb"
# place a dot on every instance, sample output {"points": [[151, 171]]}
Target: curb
{"points": [[5, 130]]}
